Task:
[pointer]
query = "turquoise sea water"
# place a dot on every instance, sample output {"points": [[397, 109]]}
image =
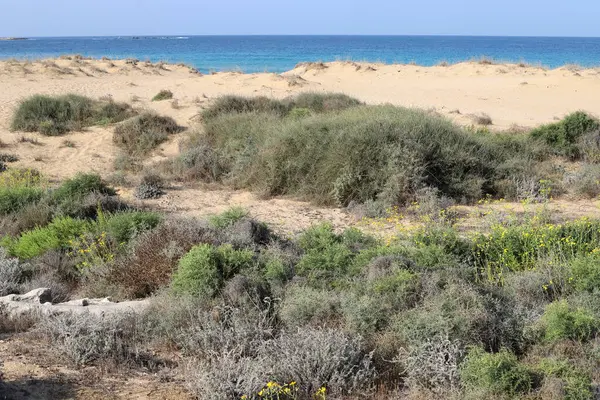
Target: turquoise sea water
{"points": [[282, 53]]}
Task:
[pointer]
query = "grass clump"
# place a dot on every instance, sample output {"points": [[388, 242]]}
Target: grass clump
{"points": [[80, 186], [163, 95], [495, 374], [54, 116], [140, 135], [562, 321], [562, 136], [57, 235], [307, 102], [205, 268], [228, 217], [13, 199]]}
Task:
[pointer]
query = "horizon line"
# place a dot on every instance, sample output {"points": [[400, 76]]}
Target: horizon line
{"points": [[308, 35]]}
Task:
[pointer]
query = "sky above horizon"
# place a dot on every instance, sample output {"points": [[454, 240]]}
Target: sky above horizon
{"points": [[30, 18]]}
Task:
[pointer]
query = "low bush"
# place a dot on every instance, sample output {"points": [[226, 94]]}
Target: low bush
{"points": [[317, 358], [57, 235], [563, 136], [521, 247], [328, 255], [585, 182], [57, 115], [14, 199], [495, 374], [153, 257], [86, 338], [27, 218], [141, 134], [304, 305], [585, 272], [204, 269], [12, 274], [125, 226], [150, 187], [561, 321], [228, 217], [359, 154], [163, 95], [78, 187], [312, 102], [435, 365], [574, 383]]}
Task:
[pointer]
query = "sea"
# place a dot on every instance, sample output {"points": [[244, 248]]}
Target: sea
{"points": [[282, 53]]}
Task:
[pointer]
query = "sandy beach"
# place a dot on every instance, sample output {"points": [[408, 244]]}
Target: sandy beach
{"points": [[515, 97]]}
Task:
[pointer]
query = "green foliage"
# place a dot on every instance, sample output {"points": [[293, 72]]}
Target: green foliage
{"points": [[519, 248], [495, 374], [561, 321], [297, 107], [163, 95], [141, 134], [78, 187], [320, 103], [562, 136], [303, 305], [126, 225], [585, 272], [358, 154], [13, 199], [577, 385], [205, 268], [56, 235], [228, 217], [326, 254], [56, 115]]}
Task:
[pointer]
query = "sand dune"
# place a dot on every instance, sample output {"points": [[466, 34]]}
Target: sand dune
{"points": [[512, 95]]}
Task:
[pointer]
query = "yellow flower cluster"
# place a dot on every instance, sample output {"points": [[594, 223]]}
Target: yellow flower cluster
{"points": [[288, 391]]}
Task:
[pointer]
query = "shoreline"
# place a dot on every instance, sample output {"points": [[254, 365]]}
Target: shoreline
{"points": [[482, 60]]}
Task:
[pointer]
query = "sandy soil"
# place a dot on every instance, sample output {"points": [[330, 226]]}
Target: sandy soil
{"points": [[512, 95], [32, 371]]}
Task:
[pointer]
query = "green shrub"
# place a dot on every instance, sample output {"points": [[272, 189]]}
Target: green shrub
{"points": [[586, 181], [57, 115], [126, 225], [163, 95], [299, 106], [141, 134], [57, 235], [228, 217], [577, 385], [319, 102], [585, 272], [14, 199], [521, 247], [326, 256], [496, 374], [80, 186], [204, 269], [359, 154], [562, 136], [561, 321], [304, 305], [278, 263]]}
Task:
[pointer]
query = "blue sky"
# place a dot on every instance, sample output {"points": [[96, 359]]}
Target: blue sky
{"points": [[201, 17]]}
